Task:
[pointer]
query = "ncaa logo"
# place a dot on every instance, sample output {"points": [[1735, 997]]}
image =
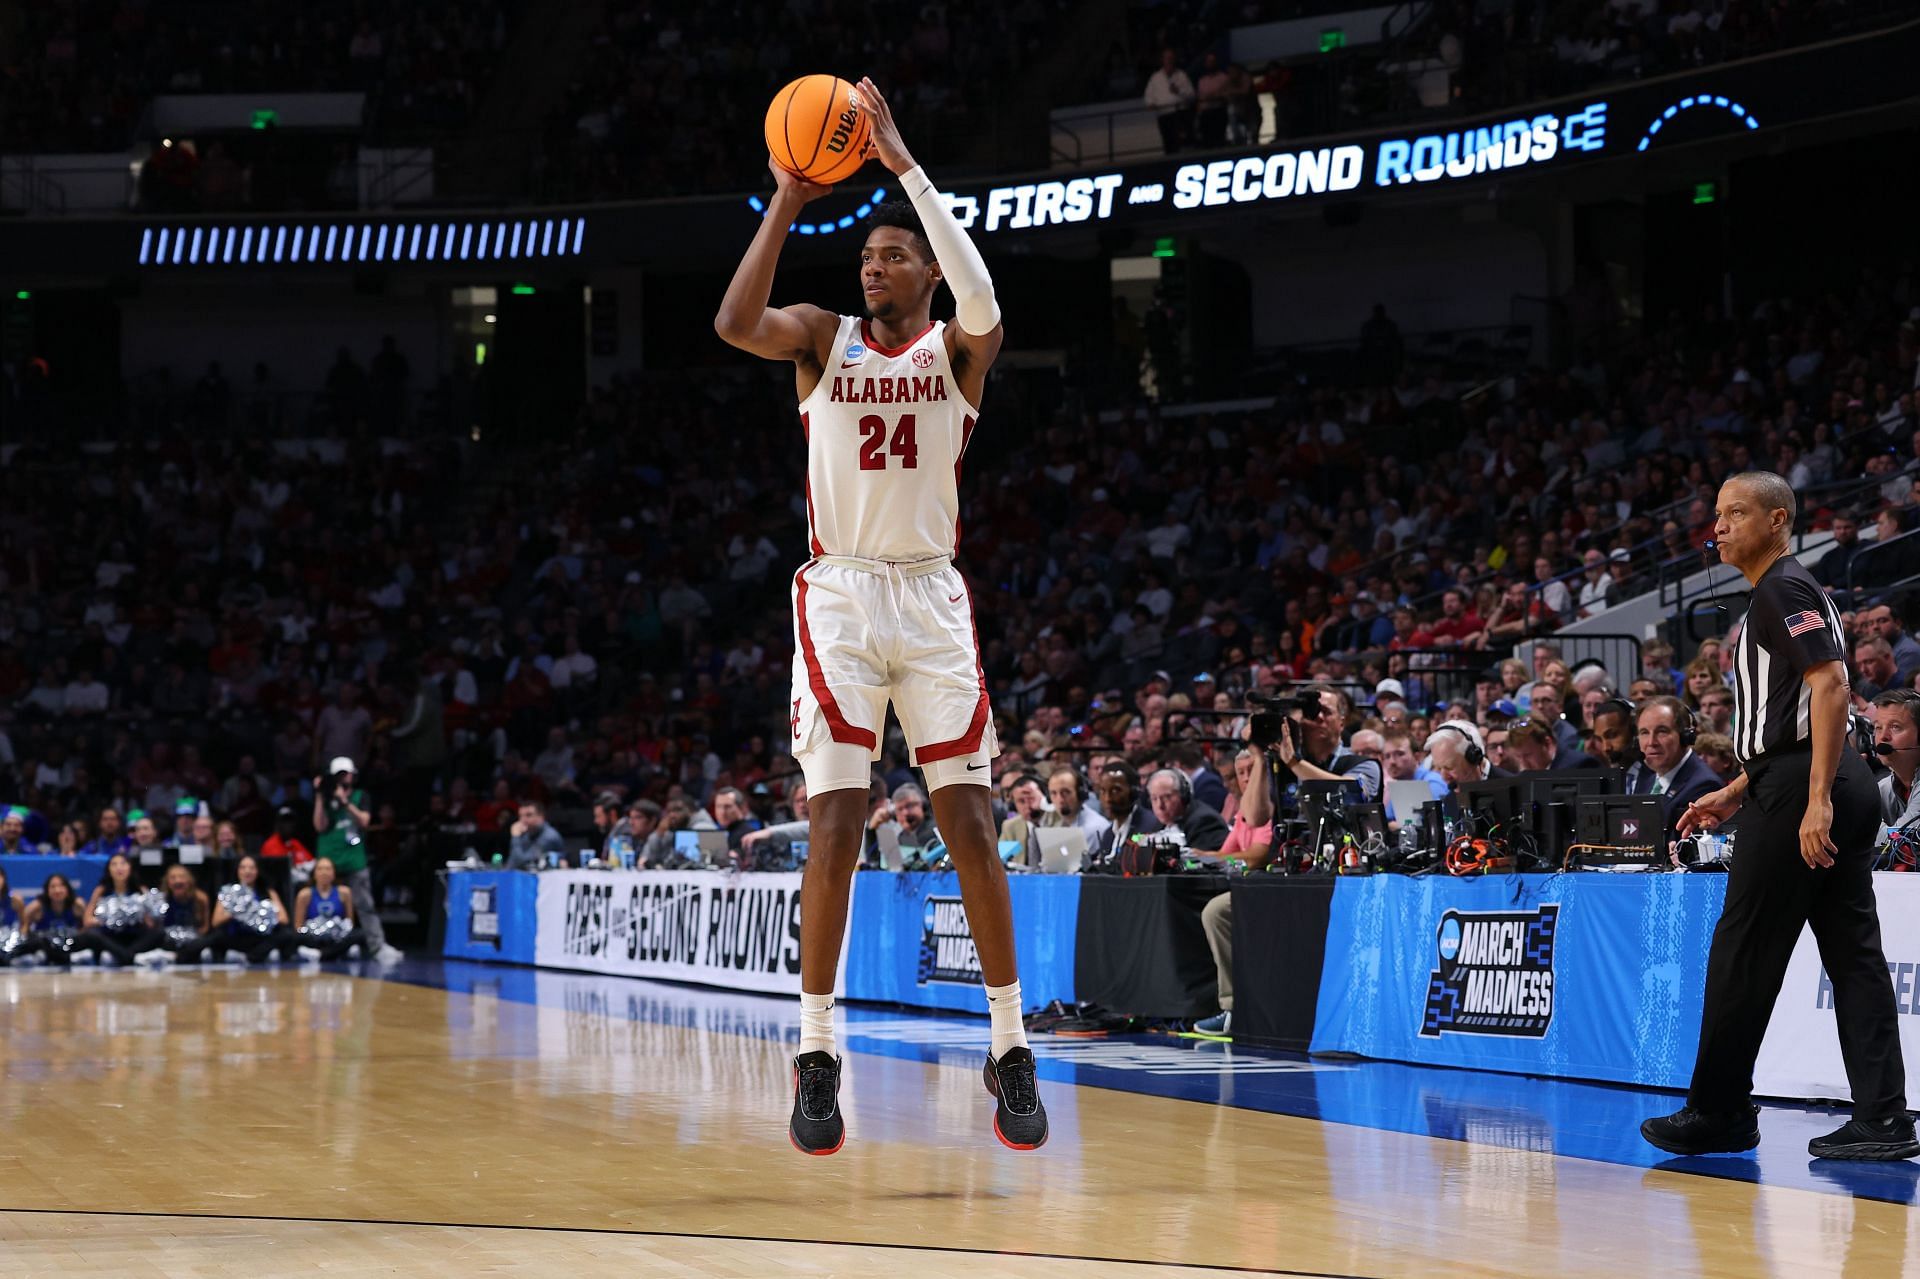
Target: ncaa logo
{"points": [[855, 350], [1449, 938], [923, 358]]}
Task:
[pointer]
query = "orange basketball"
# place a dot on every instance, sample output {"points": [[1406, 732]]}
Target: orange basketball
{"points": [[815, 130]]}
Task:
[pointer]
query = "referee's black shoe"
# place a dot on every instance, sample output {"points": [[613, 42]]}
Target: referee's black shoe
{"points": [[1868, 1139], [1692, 1132], [816, 1127], [1019, 1120]]}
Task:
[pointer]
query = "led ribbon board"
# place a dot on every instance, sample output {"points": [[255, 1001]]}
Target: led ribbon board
{"points": [[386, 241], [1392, 161]]}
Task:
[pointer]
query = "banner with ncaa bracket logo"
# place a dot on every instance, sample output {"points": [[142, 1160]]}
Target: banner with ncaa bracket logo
{"points": [[909, 941], [1493, 974], [1578, 976]]}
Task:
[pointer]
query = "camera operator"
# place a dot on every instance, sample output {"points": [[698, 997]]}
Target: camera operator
{"points": [[340, 821], [1309, 746]]}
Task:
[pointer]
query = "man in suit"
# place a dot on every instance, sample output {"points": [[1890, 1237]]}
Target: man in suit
{"points": [[1668, 766], [1208, 786]]}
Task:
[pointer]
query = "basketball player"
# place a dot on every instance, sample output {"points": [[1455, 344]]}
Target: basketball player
{"points": [[888, 401]]}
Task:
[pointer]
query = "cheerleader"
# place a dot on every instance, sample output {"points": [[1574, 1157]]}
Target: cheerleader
{"points": [[325, 916], [53, 922], [185, 911], [12, 933], [115, 925], [230, 934]]}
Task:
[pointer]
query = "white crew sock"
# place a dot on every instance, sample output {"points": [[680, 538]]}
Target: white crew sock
{"points": [[816, 1024], [1003, 1008]]}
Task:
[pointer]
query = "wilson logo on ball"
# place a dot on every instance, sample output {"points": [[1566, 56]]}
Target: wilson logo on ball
{"points": [[843, 130]]}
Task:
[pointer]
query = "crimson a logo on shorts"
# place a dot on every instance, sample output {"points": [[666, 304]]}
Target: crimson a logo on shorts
{"points": [[923, 358]]}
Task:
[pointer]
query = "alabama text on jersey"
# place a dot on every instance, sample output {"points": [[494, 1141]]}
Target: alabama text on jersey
{"points": [[886, 429]]}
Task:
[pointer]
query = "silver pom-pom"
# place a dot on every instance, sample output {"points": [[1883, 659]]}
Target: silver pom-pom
{"points": [[156, 904], [248, 911], [117, 912], [327, 927], [180, 934], [10, 939]]}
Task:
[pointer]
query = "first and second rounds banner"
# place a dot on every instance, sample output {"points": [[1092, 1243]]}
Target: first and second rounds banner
{"points": [[737, 931]]}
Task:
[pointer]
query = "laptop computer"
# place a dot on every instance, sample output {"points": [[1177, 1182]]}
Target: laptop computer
{"points": [[1408, 798], [713, 849], [1063, 849]]}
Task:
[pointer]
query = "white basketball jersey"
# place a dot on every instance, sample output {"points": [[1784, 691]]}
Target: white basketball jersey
{"points": [[886, 429]]}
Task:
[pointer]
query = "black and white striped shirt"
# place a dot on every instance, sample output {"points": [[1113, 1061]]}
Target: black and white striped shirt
{"points": [[1791, 627]]}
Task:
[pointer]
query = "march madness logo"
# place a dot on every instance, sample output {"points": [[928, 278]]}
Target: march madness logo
{"points": [[946, 944], [1494, 974]]}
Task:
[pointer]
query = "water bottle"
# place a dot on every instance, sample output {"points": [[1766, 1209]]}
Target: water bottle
{"points": [[621, 848]]}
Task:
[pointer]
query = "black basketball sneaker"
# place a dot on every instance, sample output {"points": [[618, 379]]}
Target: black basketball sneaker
{"points": [[1890, 1138], [817, 1128], [1692, 1132], [1019, 1120]]}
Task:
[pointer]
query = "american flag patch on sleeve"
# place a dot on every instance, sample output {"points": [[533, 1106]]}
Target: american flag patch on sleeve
{"points": [[1801, 623]]}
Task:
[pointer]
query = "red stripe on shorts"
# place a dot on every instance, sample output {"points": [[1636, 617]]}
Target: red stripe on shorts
{"points": [[817, 679], [968, 742]]}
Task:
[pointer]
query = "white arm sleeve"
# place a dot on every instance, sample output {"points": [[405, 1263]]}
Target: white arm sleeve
{"points": [[961, 263]]}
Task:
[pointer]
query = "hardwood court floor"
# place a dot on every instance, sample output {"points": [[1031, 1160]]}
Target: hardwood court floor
{"points": [[285, 1121]]}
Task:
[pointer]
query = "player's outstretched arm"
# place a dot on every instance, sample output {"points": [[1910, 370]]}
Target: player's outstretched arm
{"points": [[799, 333], [965, 271]]}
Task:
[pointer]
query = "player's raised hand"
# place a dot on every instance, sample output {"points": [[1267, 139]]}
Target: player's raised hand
{"points": [[794, 187], [886, 143]]}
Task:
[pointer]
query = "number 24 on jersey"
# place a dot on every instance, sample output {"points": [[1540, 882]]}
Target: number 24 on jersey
{"points": [[875, 445]]}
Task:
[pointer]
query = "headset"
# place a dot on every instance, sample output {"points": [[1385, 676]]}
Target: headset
{"points": [[1081, 786], [1473, 753]]}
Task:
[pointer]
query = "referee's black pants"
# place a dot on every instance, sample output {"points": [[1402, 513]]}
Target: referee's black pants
{"points": [[1771, 892]]}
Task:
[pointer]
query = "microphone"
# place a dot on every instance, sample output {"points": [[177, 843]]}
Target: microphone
{"points": [[1883, 750]]}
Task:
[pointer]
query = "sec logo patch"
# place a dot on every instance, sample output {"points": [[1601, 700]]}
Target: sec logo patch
{"points": [[923, 358]]}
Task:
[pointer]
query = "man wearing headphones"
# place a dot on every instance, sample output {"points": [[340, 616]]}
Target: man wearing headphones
{"points": [[1068, 791], [1896, 740], [1119, 789], [1454, 751], [1171, 795], [1668, 766], [1611, 732]]}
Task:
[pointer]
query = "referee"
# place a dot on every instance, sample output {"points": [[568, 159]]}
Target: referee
{"points": [[1806, 861]]}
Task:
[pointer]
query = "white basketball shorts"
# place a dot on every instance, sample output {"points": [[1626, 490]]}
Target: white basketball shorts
{"points": [[866, 633]]}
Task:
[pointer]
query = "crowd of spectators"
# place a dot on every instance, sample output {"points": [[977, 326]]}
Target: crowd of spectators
{"points": [[672, 97], [77, 75], [207, 622], [1466, 55]]}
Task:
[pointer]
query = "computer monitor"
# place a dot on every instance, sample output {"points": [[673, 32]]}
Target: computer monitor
{"points": [[1621, 820], [1494, 801]]}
